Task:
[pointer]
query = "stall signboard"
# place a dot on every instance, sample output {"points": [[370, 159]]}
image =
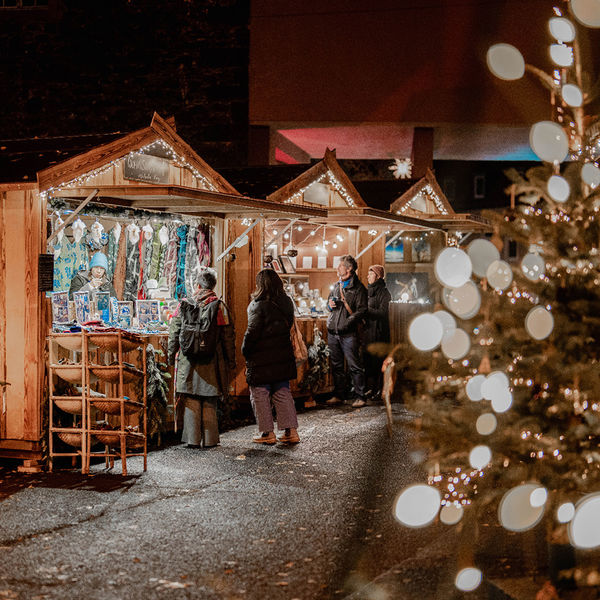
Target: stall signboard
{"points": [[147, 168]]}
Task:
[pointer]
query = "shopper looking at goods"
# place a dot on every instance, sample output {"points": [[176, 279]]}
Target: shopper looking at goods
{"points": [[203, 339], [94, 280], [377, 328], [270, 362], [348, 306]]}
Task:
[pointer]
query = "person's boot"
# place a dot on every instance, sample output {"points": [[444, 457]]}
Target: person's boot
{"points": [[290, 436], [268, 437]]}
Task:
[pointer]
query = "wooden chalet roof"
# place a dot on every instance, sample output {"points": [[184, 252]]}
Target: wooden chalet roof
{"points": [[98, 157], [327, 169]]}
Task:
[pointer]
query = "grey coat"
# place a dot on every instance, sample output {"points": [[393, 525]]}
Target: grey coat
{"points": [[210, 378]]}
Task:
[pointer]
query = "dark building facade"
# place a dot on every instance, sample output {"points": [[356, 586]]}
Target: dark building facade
{"points": [[72, 67]]}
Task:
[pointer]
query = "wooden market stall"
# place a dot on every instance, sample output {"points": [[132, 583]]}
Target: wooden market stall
{"points": [[150, 175]]}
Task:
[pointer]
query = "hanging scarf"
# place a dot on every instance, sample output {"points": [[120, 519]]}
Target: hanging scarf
{"points": [[180, 281], [169, 271]]}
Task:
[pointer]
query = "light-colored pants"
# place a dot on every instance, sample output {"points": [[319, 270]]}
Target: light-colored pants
{"points": [[200, 426], [280, 394]]}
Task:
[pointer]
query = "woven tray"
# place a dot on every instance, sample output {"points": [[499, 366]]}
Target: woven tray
{"points": [[71, 341], [70, 373], [111, 373], [112, 438], [72, 439], [69, 405], [112, 406], [110, 342]]}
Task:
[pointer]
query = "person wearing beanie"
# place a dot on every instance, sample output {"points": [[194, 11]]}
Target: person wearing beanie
{"points": [[94, 280], [377, 330]]}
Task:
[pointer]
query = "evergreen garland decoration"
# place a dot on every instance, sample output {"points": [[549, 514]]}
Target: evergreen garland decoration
{"points": [[318, 364], [157, 390]]}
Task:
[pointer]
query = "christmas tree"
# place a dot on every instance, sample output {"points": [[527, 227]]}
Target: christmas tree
{"points": [[509, 401]]}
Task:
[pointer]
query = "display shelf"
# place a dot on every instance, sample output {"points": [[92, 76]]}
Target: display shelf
{"points": [[109, 347]]}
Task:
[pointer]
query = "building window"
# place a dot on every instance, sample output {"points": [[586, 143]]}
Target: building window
{"points": [[479, 186]]}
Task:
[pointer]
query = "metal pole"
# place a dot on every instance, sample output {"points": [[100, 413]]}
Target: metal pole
{"points": [[239, 237]]}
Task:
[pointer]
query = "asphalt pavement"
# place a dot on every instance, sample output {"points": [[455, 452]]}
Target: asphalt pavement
{"points": [[240, 521]]}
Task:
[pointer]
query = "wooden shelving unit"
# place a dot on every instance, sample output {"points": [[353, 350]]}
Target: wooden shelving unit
{"points": [[98, 356]]}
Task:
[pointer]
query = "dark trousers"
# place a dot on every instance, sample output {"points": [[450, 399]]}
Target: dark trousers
{"points": [[346, 347], [373, 374]]}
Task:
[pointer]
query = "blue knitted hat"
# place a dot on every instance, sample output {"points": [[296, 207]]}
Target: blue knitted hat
{"points": [[99, 260]]}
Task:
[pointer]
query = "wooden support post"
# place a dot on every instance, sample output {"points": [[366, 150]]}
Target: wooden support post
{"points": [[72, 216]]}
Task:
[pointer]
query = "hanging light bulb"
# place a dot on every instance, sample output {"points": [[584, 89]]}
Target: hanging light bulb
{"points": [[299, 228]]}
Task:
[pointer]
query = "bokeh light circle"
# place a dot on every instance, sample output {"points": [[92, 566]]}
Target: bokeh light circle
{"points": [[538, 497], [502, 401], [447, 320], [558, 188], [533, 266], [587, 12], [468, 579], [451, 514], [480, 456], [465, 301], [561, 55], [486, 424], [590, 174], [565, 512], [584, 528], [499, 275], [425, 332], [505, 62], [482, 254], [417, 505], [572, 95], [474, 388], [456, 345], [494, 383], [561, 29], [549, 141], [453, 267], [515, 512], [539, 323]]}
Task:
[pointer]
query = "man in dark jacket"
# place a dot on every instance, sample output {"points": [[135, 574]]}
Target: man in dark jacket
{"points": [[347, 304], [377, 328]]}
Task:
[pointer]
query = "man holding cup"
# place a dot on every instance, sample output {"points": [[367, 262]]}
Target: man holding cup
{"points": [[347, 304]]}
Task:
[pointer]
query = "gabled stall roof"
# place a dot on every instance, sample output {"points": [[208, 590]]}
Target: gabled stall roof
{"points": [[327, 170], [72, 170], [426, 200]]}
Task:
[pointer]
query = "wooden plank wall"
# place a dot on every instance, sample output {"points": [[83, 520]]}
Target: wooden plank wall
{"points": [[241, 281], [373, 256], [23, 224], [3, 391]]}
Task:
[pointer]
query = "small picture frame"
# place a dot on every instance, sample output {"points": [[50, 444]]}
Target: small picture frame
{"points": [[287, 264], [60, 307], [148, 311], [276, 266], [103, 305], [124, 314], [82, 306]]}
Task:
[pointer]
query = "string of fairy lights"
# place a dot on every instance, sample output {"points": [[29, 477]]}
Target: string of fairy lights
{"points": [[298, 196], [86, 177]]}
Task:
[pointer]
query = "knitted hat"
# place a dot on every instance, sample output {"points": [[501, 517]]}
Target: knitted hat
{"points": [[378, 270], [99, 260]]}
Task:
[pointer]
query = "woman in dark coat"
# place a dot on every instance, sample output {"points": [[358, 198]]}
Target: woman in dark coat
{"points": [[270, 362], [377, 326]]}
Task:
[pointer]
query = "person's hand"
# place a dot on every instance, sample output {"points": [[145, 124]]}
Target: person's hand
{"points": [[95, 283], [332, 303]]}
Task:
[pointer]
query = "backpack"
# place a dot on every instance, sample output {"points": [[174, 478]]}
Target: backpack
{"points": [[199, 330]]}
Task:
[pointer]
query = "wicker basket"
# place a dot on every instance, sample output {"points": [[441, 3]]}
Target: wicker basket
{"points": [[112, 438], [109, 342], [112, 406], [72, 439], [72, 341], [111, 373], [69, 405], [70, 373]]}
